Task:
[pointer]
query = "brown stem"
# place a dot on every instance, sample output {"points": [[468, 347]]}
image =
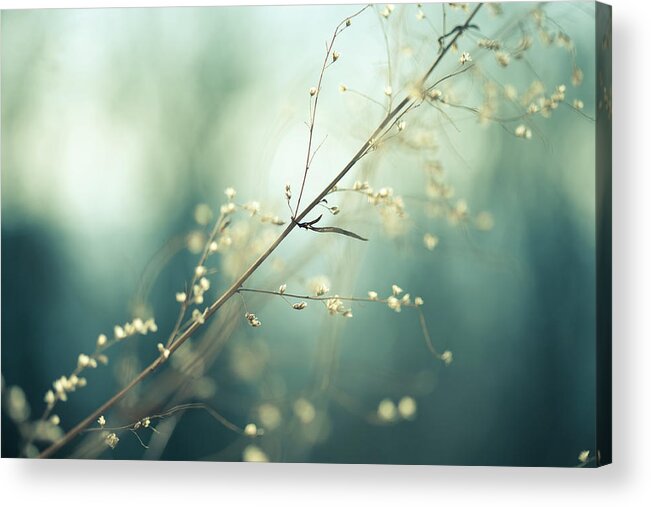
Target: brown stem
{"points": [[210, 311]]}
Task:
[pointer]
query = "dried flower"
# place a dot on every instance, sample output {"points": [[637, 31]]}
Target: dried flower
{"points": [[299, 306], [282, 288], [119, 333], [111, 440], [465, 58], [372, 295], [502, 58], [523, 131], [83, 360], [198, 316], [252, 319], [446, 357], [419, 301], [313, 91], [101, 421], [251, 430], [230, 193], [49, 398], [394, 303], [164, 352]]}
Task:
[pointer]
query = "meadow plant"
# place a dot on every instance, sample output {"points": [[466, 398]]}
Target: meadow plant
{"points": [[418, 104]]}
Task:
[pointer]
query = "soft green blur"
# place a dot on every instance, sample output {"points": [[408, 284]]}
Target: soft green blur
{"points": [[116, 123]]}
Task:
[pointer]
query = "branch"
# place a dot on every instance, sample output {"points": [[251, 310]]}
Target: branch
{"points": [[212, 309]]}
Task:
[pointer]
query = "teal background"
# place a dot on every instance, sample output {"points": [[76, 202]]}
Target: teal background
{"points": [[116, 123]]}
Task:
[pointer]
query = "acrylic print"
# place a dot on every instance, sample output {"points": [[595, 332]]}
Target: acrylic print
{"points": [[326, 234]]}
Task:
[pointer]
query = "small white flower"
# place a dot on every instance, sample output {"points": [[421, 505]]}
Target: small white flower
{"points": [[393, 303], [101, 340], [282, 288], [419, 301], [119, 333], [299, 306], [465, 58], [251, 430], [181, 297], [253, 320], [523, 131], [435, 94], [55, 419], [200, 271], [230, 193], [343, 88], [388, 91], [164, 352], [111, 440], [372, 295], [446, 357], [313, 91], [502, 58], [583, 456], [396, 290], [101, 421], [83, 360], [49, 398], [198, 316], [227, 209]]}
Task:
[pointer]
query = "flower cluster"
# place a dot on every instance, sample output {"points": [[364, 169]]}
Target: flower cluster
{"points": [[252, 319], [62, 386], [397, 299], [335, 306], [137, 326]]}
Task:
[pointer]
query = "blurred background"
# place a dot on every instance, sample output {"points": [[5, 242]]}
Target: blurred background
{"points": [[118, 123]]}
